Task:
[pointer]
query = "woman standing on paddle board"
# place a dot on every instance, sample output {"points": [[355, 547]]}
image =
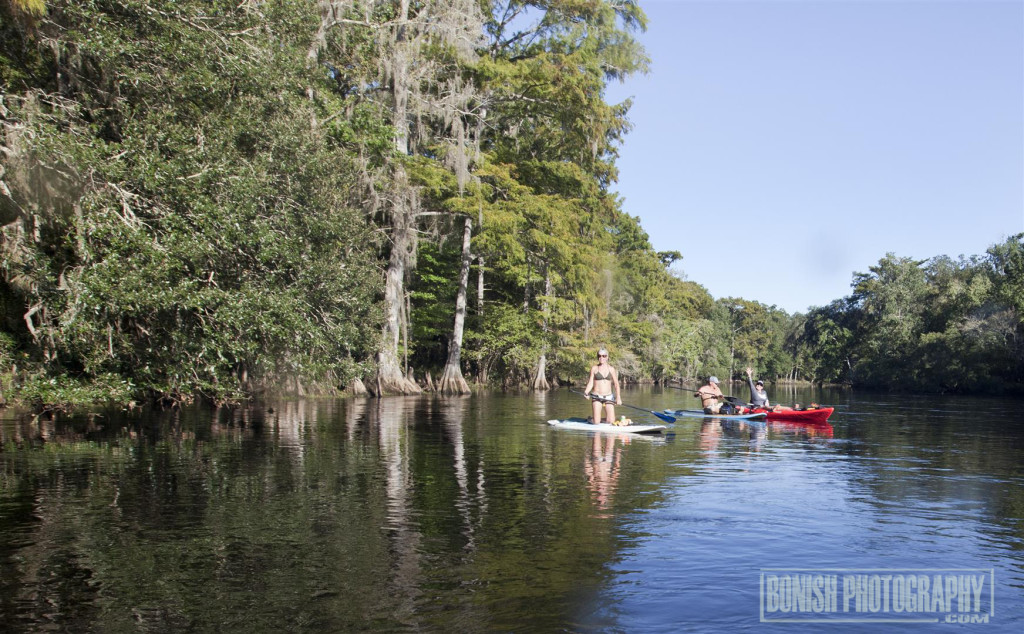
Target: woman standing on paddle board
{"points": [[602, 387]]}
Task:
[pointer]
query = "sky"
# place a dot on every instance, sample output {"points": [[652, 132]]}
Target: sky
{"points": [[783, 145]]}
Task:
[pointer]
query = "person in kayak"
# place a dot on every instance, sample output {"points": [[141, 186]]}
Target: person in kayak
{"points": [[711, 397], [603, 388], [758, 397]]}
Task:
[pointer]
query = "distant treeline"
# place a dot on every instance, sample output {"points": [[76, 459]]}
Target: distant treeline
{"points": [[219, 198], [938, 325]]}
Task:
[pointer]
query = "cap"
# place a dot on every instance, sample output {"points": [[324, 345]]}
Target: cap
{"points": [[759, 382], [713, 379]]}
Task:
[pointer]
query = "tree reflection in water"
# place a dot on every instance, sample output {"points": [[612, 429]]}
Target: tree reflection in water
{"points": [[391, 417]]}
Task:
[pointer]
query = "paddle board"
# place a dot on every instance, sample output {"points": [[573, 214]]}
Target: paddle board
{"points": [[583, 425]]}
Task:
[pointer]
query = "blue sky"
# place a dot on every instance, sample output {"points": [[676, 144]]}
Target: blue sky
{"points": [[782, 145]]}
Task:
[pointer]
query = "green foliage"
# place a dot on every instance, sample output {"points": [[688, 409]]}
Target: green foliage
{"points": [[936, 325], [201, 198], [432, 297], [65, 393], [506, 346], [197, 235], [825, 342], [1006, 262], [32, 7]]}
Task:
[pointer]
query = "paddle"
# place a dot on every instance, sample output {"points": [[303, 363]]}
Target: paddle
{"points": [[735, 400], [664, 417], [682, 387], [691, 389]]}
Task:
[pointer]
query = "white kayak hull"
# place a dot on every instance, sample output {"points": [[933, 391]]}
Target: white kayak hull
{"points": [[582, 424]]}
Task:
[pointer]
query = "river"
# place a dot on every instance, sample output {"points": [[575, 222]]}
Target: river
{"points": [[471, 514]]}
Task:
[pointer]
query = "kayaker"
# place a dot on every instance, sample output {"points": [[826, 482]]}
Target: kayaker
{"points": [[758, 397], [710, 396], [603, 388]]}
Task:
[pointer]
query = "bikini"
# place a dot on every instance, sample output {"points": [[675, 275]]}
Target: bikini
{"points": [[603, 377]]}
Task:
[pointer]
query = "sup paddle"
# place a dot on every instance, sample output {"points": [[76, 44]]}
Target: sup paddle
{"points": [[664, 417]]}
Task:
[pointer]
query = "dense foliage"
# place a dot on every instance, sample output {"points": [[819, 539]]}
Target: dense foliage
{"points": [[934, 325], [217, 197], [171, 215]]}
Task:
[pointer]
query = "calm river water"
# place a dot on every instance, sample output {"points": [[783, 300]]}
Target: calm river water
{"points": [[472, 515]]}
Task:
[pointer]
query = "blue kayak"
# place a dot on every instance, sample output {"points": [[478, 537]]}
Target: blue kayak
{"points": [[699, 413]]}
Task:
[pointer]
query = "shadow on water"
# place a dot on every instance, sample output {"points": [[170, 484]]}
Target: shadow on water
{"points": [[471, 514]]}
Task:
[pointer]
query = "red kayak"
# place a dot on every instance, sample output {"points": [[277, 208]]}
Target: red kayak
{"points": [[807, 416]]}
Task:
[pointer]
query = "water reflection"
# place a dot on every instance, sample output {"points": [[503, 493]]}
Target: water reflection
{"points": [[453, 413], [391, 417], [470, 514], [602, 466], [710, 435], [292, 421]]}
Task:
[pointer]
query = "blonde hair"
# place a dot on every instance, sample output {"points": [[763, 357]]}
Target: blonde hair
{"points": [[602, 351]]}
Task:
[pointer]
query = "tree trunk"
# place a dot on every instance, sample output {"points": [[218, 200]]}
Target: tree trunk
{"points": [[480, 260], [484, 372], [480, 286], [586, 325], [452, 382], [406, 319], [732, 356], [391, 378], [357, 388], [428, 381], [540, 380]]}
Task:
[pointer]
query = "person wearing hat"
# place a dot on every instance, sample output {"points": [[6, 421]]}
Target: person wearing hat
{"points": [[758, 397], [710, 396]]}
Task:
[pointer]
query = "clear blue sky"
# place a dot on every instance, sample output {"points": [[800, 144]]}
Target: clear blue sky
{"points": [[782, 145]]}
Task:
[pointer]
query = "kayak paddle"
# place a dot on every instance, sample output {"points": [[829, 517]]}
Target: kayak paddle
{"points": [[664, 417], [694, 389], [681, 387], [735, 400]]}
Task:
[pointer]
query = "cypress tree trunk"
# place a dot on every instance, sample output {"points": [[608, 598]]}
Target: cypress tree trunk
{"points": [[452, 382], [480, 263], [391, 377], [358, 388], [540, 380]]}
